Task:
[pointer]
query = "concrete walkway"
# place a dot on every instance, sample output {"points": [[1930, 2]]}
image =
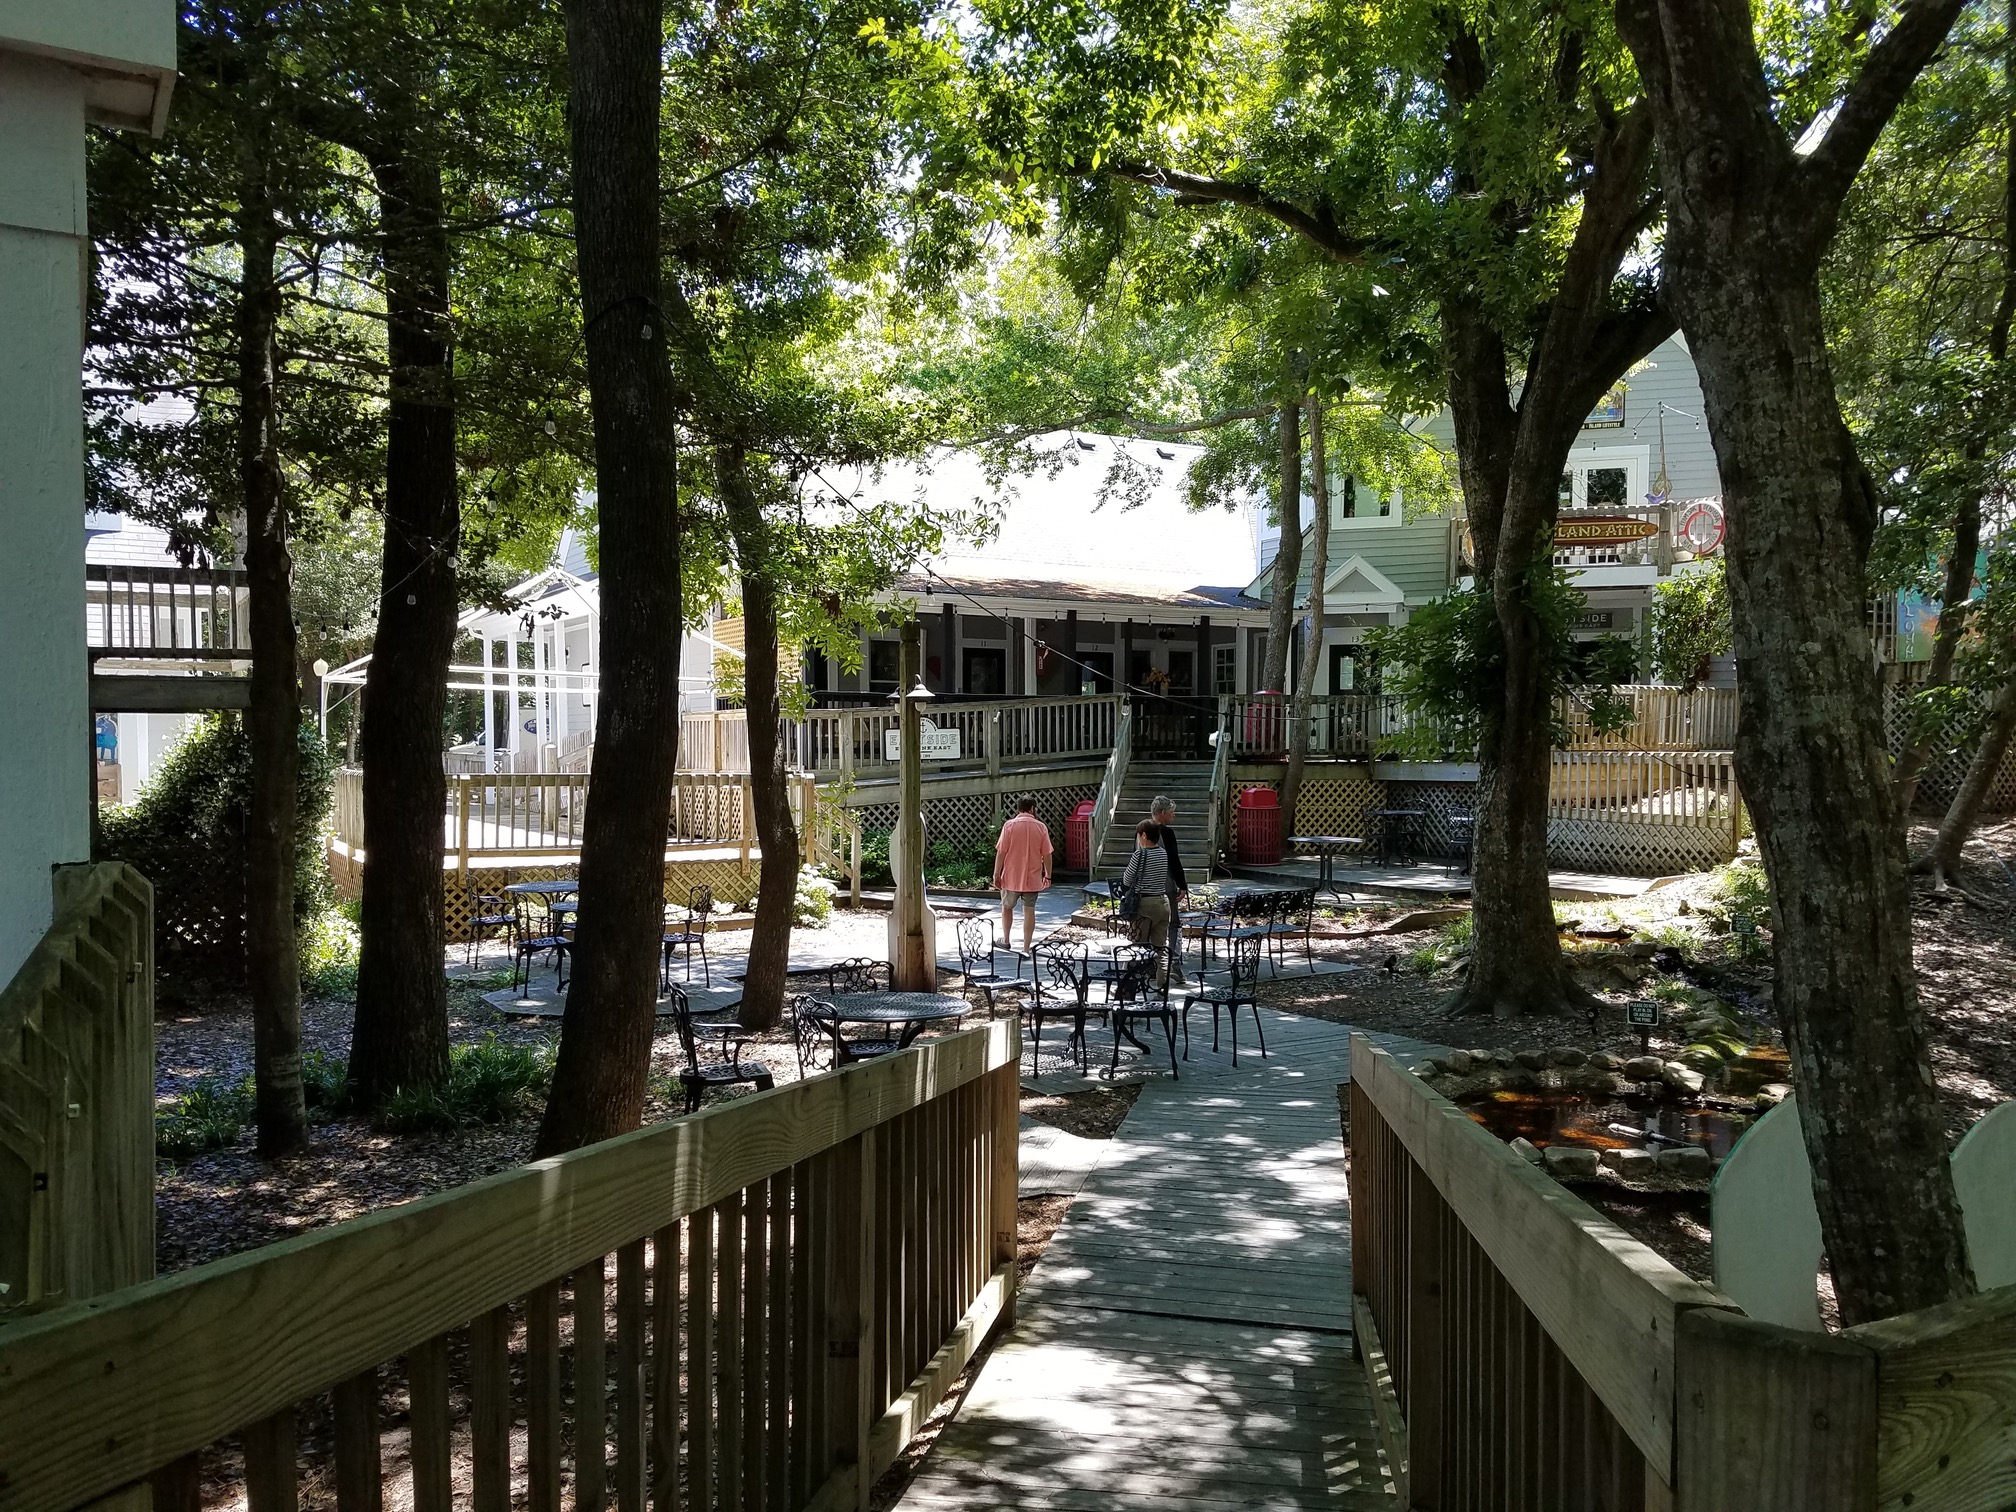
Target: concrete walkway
{"points": [[1185, 1340]]}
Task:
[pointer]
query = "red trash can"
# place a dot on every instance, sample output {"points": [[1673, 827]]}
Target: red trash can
{"points": [[1078, 838], [1259, 826], [1267, 724]]}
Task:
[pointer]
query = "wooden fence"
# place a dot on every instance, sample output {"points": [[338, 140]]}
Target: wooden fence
{"points": [[1525, 1354], [798, 1277], [77, 1098], [835, 743], [1653, 812]]}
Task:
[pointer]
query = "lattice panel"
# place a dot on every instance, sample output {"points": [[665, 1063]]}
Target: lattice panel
{"points": [[1337, 806], [1948, 766], [1435, 836], [1623, 848], [730, 884]]}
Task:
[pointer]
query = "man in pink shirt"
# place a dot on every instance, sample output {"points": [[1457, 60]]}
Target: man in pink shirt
{"points": [[1022, 869]]}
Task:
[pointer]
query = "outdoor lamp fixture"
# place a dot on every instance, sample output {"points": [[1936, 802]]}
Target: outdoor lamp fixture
{"points": [[918, 694], [319, 667]]}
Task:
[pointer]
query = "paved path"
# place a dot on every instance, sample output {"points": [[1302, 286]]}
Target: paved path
{"points": [[1185, 1340]]}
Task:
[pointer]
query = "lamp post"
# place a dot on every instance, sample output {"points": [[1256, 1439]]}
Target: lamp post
{"points": [[913, 964]]}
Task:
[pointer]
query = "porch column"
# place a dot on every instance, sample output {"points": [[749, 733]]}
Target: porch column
{"points": [[949, 636], [489, 710], [1124, 676], [1077, 673], [1207, 676]]}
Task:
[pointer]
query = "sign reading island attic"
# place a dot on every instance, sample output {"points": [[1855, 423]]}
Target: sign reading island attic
{"points": [[934, 744], [1602, 530]]}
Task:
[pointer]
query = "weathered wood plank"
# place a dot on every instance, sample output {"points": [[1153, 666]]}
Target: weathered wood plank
{"points": [[185, 1356], [631, 1471], [427, 1384], [1772, 1419], [359, 1470], [1946, 1404], [590, 1388], [542, 1397], [490, 1410]]}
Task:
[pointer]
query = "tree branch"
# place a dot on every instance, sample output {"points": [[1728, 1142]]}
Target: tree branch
{"points": [[1892, 65], [1320, 231]]}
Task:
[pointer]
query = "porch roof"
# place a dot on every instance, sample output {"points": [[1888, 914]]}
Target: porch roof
{"points": [[1075, 593]]}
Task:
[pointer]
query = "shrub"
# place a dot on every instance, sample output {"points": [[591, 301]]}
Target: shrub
{"points": [[325, 1082], [487, 1083], [209, 1116], [329, 943], [187, 835]]}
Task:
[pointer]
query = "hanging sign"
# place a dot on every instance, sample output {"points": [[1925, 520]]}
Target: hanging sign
{"points": [[1602, 530], [933, 744]]}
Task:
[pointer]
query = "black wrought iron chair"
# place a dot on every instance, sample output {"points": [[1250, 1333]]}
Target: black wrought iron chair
{"points": [[1138, 992], [811, 1030], [858, 974], [688, 935], [1238, 990], [1240, 916], [980, 961], [533, 934], [1293, 917], [490, 918], [728, 1038], [1059, 982]]}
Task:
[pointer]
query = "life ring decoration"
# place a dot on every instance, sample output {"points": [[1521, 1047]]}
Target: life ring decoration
{"points": [[1042, 658], [1702, 526]]}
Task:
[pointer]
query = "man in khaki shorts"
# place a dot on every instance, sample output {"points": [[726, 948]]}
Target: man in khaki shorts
{"points": [[1022, 869]]}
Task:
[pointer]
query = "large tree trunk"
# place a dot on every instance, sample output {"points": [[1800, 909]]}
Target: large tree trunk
{"points": [[1748, 221], [605, 1039], [1312, 651], [770, 939], [1288, 557], [273, 722], [400, 1038], [1942, 861]]}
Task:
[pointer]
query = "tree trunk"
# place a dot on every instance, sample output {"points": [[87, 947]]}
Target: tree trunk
{"points": [[1943, 860], [1312, 653], [400, 1037], [605, 1041], [1748, 221], [777, 891], [1288, 558], [273, 721]]}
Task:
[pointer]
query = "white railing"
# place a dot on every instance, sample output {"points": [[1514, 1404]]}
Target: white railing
{"points": [[1109, 791], [1677, 789], [1662, 719], [854, 742]]}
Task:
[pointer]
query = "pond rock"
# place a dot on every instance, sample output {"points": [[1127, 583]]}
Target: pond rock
{"points": [[1773, 1094], [1532, 1060], [1566, 1162], [1458, 1062], [1632, 1165], [1497, 1057], [1644, 1067], [1568, 1057], [1683, 1079], [1603, 1060], [1526, 1150], [1688, 1160]]}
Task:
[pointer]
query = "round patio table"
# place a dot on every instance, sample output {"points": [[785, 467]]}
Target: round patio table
{"points": [[1396, 834], [913, 1010], [556, 889], [1327, 848]]}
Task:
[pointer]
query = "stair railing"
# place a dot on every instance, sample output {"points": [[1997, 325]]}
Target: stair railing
{"points": [[1109, 789], [1221, 768]]}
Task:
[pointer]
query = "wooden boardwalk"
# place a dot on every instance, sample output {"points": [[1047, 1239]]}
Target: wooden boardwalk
{"points": [[1185, 1341]]}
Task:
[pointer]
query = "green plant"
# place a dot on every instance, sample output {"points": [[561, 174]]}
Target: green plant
{"points": [[875, 858], [1423, 960], [488, 1082], [325, 1081], [329, 943], [812, 908], [1690, 623], [209, 1116], [186, 833]]}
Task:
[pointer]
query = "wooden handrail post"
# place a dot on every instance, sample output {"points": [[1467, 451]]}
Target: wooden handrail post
{"points": [[849, 1346], [1425, 1438], [1001, 1215]]}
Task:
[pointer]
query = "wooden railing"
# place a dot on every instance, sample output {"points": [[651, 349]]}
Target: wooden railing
{"points": [[542, 813], [798, 1276], [77, 1098], [1342, 726], [1672, 789], [853, 742], [1662, 719], [181, 613], [1525, 1353]]}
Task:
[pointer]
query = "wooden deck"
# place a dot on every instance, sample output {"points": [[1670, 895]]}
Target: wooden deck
{"points": [[1185, 1341]]}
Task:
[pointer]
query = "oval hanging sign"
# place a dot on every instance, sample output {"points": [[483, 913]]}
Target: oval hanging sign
{"points": [[1602, 530]]}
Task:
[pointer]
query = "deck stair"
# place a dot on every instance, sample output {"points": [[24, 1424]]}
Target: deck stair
{"points": [[1189, 783]]}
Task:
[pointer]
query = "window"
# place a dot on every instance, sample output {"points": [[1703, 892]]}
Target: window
{"points": [[1611, 477], [883, 666], [1224, 676]]}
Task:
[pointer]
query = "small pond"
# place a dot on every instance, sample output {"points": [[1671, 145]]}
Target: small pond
{"points": [[1586, 1120]]}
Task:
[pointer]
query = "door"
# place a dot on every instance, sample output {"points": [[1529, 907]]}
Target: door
{"points": [[1354, 721], [984, 673], [1096, 675]]}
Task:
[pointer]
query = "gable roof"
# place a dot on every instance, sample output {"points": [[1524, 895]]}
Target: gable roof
{"points": [[1356, 580]]}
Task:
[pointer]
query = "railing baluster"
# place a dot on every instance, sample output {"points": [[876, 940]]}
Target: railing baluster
{"points": [[630, 1466], [271, 1483], [490, 1410], [591, 1389], [778, 1348], [359, 1472], [700, 1396], [542, 1397], [666, 1337]]}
